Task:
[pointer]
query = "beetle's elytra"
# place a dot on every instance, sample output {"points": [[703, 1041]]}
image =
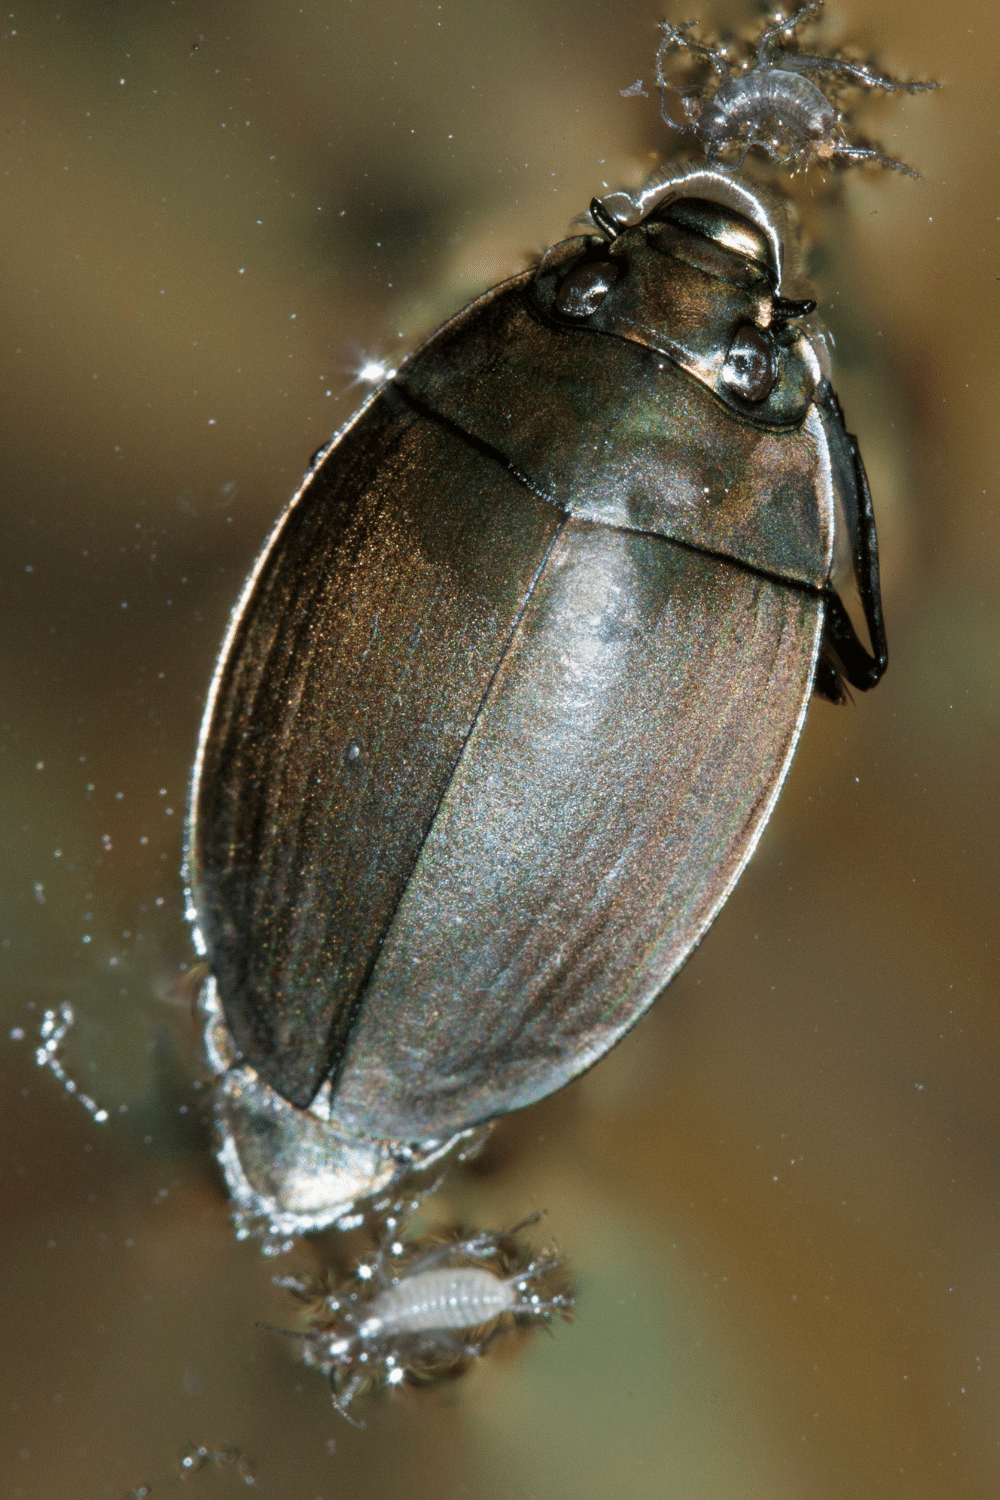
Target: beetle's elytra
{"points": [[512, 690]]}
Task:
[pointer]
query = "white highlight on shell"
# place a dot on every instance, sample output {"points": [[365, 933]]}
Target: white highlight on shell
{"points": [[374, 372], [55, 1025]]}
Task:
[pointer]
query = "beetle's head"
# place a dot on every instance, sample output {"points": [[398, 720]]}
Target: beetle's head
{"points": [[698, 279]]}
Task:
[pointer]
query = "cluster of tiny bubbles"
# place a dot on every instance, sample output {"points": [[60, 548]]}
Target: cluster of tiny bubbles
{"points": [[55, 1025], [274, 1241], [350, 1221], [275, 1246], [197, 1457]]}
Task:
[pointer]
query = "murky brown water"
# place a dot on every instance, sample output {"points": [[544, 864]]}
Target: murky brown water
{"points": [[779, 1196]]}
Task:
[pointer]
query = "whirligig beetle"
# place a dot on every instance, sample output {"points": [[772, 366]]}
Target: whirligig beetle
{"points": [[512, 690]]}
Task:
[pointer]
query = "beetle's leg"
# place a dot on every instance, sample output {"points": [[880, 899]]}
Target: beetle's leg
{"points": [[547, 1261], [395, 1228], [782, 28], [690, 126], [378, 1268], [773, 150], [796, 62], [768, 148], [557, 1304], [861, 668], [540, 1267], [399, 1215], [691, 102], [485, 1243], [479, 1247], [716, 150], [378, 1259], [289, 1333]]}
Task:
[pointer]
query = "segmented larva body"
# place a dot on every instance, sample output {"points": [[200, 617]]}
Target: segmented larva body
{"points": [[422, 1310], [440, 1300], [778, 103]]}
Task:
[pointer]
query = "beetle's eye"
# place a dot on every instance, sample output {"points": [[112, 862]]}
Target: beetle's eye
{"points": [[749, 371], [586, 287]]}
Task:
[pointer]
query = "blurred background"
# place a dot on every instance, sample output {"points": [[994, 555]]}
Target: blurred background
{"points": [[778, 1197]]}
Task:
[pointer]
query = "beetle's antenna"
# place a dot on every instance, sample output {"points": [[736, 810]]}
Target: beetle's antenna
{"points": [[785, 308], [603, 221], [524, 1224]]}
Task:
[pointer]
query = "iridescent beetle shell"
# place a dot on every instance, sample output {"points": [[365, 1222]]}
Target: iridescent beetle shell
{"points": [[512, 690]]}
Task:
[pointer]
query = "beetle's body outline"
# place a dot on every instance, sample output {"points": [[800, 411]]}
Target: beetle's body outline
{"points": [[703, 523]]}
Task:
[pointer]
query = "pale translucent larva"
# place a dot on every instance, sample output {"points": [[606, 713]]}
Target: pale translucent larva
{"points": [[782, 102], [460, 1297], [423, 1309]]}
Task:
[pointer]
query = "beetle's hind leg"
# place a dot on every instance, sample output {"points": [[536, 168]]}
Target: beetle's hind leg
{"points": [[485, 1244], [844, 659]]}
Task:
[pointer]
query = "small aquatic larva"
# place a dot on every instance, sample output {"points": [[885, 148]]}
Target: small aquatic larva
{"points": [[422, 1310], [772, 103]]}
